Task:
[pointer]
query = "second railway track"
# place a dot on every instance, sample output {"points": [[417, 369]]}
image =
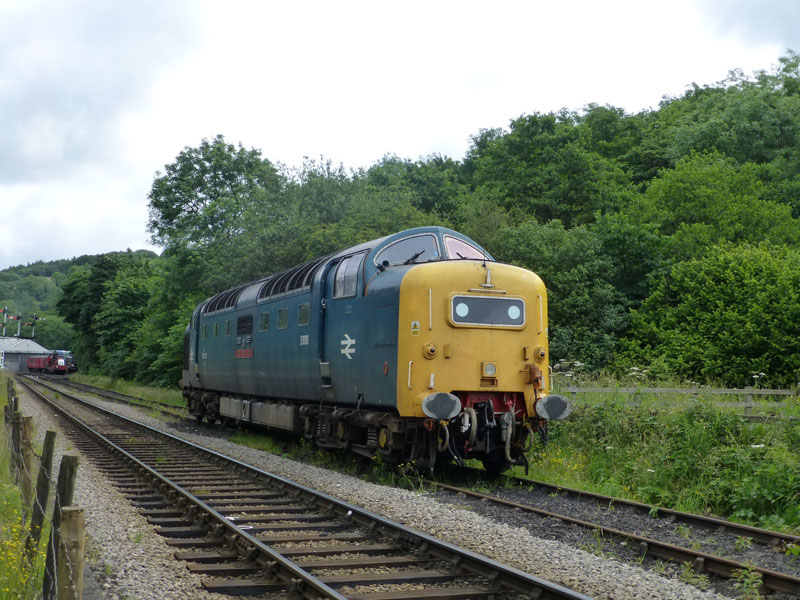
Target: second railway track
{"points": [[658, 533], [251, 532], [165, 408]]}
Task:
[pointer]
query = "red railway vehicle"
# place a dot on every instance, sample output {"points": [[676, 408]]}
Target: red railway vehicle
{"points": [[58, 362]]}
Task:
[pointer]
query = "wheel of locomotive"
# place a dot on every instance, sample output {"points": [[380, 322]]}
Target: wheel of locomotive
{"points": [[495, 462]]}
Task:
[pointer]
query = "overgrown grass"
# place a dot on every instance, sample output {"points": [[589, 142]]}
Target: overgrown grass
{"points": [[170, 396], [19, 577], [698, 458]]}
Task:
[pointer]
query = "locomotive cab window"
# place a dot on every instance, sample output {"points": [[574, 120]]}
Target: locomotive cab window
{"points": [[345, 284], [414, 249], [205, 332], [459, 249], [216, 330], [283, 318], [227, 328], [264, 324]]}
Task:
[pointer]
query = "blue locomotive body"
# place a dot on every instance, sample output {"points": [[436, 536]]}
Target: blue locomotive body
{"points": [[366, 348]]}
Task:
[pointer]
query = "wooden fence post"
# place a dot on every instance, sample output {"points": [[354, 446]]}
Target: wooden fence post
{"points": [[71, 554], [42, 493], [65, 488], [16, 426], [26, 474], [12, 395], [7, 407], [748, 404]]}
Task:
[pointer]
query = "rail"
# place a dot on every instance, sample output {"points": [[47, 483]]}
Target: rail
{"points": [[772, 580], [197, 512]]}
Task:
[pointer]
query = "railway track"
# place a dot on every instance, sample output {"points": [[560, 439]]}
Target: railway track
{"points": [[163, 407], [530, 497], [252, 533], [761, 536]]}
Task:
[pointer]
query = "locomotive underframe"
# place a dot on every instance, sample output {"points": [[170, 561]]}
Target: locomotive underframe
{"points": [[486, 428]]}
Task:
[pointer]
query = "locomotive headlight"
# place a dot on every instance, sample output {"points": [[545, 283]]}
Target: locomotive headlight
{"points": [[489, 369]]}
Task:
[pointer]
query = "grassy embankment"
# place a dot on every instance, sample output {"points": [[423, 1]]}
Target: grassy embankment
{"points": [[680, 453], [670, 451], [18, 577]]}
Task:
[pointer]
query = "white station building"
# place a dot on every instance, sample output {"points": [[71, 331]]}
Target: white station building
{"points": [[14, 353]]}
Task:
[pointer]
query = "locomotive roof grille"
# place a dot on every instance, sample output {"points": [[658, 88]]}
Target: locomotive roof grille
{"points": [[293, 279], [223, 300]]}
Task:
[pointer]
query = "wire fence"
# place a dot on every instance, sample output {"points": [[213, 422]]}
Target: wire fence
{"points": [[746, 396], [62, 577]]}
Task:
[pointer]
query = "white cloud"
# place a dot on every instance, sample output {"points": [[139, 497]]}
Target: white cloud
{"points": [[95, 97]]}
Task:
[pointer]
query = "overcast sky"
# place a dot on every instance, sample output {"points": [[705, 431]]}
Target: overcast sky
{"points": [[98, 95]]}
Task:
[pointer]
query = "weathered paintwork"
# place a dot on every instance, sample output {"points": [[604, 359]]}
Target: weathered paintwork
{"points": [[459, 351], [373, 349]]}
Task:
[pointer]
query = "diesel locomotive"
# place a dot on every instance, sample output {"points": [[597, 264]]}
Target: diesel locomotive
{"points": [[418, 347]]}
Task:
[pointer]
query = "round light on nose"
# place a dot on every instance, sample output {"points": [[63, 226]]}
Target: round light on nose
{"points": [[462, 310], [489, 369], [513, 312]]}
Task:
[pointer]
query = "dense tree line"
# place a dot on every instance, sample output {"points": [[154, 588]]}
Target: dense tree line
{"points": [[668, 238], [31, 292]]}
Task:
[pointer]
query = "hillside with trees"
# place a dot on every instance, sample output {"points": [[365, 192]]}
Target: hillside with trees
{"points": [[29, 294], [668, 238], [32, 293]]}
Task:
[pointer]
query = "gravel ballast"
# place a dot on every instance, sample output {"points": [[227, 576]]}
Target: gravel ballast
{"points": [[131, 561]]}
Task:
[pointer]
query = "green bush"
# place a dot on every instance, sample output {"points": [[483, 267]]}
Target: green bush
{"points": [[698, 459], [729, 316]]}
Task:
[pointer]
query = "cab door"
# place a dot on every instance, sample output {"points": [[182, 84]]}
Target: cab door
{"points": [[345, 330]]}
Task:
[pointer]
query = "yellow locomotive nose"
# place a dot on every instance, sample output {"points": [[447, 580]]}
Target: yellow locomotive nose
{"points": [[479, 337]]}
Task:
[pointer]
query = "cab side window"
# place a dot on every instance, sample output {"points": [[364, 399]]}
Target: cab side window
{"points": [[345, 284]]}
